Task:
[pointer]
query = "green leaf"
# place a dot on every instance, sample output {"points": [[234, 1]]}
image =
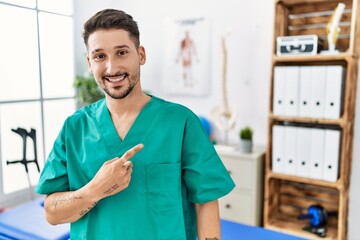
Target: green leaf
{"points": [[87, 90], [246, 133]]}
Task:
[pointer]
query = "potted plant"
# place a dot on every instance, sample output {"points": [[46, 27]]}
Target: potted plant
{"points": [[246, 139], [87, 90]]}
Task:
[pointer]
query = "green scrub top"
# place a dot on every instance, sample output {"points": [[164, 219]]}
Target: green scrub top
{"points": [[177, 168]]}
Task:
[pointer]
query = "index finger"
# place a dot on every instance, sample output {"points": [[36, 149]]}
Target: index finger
{"points": [[132, 151]]}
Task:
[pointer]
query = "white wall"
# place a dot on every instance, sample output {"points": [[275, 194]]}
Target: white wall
{"points": [[84, 9], [249, 48], [249, 45]]}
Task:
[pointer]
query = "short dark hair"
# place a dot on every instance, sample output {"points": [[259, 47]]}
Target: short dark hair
{"points": [[112, 19]]}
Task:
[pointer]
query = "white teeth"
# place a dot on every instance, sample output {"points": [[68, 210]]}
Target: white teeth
{"points": [[116, 79]]}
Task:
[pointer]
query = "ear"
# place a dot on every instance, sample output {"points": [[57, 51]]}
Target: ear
{"points": [[89, 64], [142, 55]]}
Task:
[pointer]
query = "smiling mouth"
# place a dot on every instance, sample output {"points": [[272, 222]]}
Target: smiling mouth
{"points": [[117, 78]]}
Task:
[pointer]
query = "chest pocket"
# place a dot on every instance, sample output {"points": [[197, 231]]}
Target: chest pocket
{"points": [[164, 187]]}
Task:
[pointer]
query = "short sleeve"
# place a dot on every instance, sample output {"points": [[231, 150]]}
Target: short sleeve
{"points": [[204, 173], [54, 176]]}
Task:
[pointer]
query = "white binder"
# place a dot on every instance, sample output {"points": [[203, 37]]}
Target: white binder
{"points": [[305, 91], [292, 91], [331, 155], [333, 97], [278, 148], [317, 153], [279, 90], [290, 150], [318, 91], [303, 145]]}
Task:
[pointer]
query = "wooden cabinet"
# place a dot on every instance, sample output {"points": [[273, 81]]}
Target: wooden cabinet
{"points": [[286, 196], [244, 203]]}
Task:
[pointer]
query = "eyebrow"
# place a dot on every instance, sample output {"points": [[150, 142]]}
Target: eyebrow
{"points": [[116, 47]]}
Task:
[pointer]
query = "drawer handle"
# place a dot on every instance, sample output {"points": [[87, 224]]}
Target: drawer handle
{"points": [[228, 206]]}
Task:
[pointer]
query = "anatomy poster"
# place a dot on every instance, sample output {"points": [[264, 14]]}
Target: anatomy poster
{"points": [[186, 68]]}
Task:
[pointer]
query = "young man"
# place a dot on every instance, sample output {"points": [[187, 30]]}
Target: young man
{"points": [[168, 190]]}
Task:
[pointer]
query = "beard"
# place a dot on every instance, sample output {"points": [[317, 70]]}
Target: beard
{"points": [[121, 91]]}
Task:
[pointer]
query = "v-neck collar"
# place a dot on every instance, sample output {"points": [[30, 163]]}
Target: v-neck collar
{"points": [[108, 131]]}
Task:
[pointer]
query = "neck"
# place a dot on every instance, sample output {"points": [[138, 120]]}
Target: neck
{"points": [[134, 102]]}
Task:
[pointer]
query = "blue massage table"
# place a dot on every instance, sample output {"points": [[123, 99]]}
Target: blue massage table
{"points": [[235, 231], [27, 221]]}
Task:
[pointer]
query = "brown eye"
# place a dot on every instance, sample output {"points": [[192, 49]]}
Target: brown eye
{"points": [[99, 56], [122, 52]]}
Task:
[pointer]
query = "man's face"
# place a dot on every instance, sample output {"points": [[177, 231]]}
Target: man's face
{"points": [[115, 61]]}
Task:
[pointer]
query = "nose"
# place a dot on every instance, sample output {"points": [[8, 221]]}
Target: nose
{"points": [[111, 66]]}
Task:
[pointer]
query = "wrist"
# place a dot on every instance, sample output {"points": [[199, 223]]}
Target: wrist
{"points": [[90, 193]]}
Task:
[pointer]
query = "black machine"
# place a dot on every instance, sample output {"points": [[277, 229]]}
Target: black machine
{"points": [[24, 134]]}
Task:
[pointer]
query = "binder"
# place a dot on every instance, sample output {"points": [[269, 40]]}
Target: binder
{"points": [[292, 91], [279, 90], [303, 145], [305, 91], [278, 148], [334, 91], [318, 91], [317, 153], [290, 150], [331, 155]]}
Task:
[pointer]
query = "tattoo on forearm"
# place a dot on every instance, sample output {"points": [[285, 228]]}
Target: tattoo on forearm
{"points": [[59, 201], [110, 190], [214, 238], [83, 212]]}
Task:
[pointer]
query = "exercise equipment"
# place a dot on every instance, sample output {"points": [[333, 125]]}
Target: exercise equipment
{"points": [[24, 134], [318, 217], [206, 124], [319, 231]]}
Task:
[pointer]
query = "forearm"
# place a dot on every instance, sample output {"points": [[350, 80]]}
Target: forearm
{"points": [[208, 221], [67, 207], [113, 177]]}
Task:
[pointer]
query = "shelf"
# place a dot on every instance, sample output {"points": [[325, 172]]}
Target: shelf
{"points": [[293, 198], [314, 58], [321, 183], [287, 196], [293, 226], [341, 122], [297, 2]]}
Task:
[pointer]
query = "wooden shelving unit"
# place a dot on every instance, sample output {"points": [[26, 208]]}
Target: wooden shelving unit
{"points": [[315, 58], [287, 196]]}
